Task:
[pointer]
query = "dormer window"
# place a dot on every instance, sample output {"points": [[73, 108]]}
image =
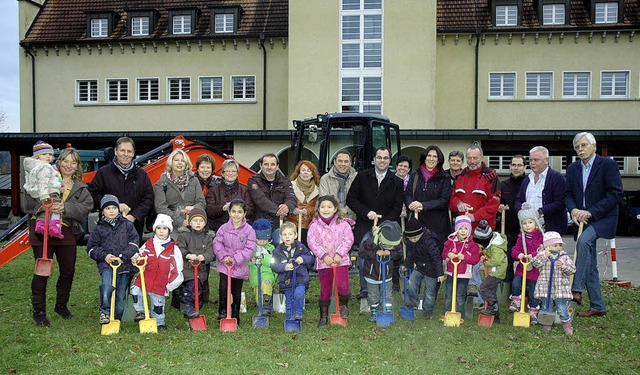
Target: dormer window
{"points": [[506, 12], [606, 12], [225, 20], [99, 25], [182, 21], [553, 14], [141, 23]]}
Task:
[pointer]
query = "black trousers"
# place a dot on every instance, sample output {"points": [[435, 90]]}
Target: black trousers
{"points": [[65, 256]]}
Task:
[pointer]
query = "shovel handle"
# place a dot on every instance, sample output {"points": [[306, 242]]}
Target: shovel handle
{"points": [[455, 260], [416, 213], [115, 263], [194, 263], [143, 260]]}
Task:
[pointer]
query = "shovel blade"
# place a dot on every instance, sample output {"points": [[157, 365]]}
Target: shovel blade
{"points": [[148, 326], [364, 306], [407, 313], [384, 319], [43, 266], [260, 321], [292, 325], [452, 319], [486, 320], [228, 325], [521, 319], [198, 324], [336, 320], [546, 318], [110, 328]]}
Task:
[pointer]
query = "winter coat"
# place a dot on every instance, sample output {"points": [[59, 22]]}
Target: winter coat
{"points": [[329, 184], [267, 196], [220, 194], [372, 269], [199, 243], [281, 257], [553, 209], [302, 202], [237, 243], [365, 195], [479, 188], [120, 239], [163, 272], [330, 239], [561, 285], [509, 189], [532, 241], [496, 256], [266, 273], [425, 255], [471, 254], [169, 200], [434, 196], [42, 179]]}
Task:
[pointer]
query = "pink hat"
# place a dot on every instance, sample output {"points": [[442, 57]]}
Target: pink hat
{"points": [[463, 221], [551, 238]]}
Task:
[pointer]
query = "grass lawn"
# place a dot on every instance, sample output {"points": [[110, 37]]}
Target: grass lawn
{"points": [[608, 345]]}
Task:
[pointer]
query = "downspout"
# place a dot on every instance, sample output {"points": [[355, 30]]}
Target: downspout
{"points": [[475, 113], [264, 82], [33, 81]]}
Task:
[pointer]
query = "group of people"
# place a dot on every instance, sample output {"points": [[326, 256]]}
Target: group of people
{"points": [[283, 227]]}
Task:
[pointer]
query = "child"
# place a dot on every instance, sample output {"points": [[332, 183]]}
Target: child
{"points": [[234, 245], [291, 251], [527, 245], [195, 244], [561, 287], [493, 247], [163, 272], [425, 255], [459, 245], [262, 255], [384, 243], [43, 181], [330, 238], [113, 239]]}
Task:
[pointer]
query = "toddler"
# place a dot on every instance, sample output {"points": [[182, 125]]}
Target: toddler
{"points": [[493, 247], [262, 254]]}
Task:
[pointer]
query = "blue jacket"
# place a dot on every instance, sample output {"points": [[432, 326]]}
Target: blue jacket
{"points": [[553, 205], [425, 254], [601, 197], [120, 240], [281, 258]]}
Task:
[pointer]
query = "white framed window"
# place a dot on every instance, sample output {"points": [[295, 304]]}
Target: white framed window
{"points": [[361, 4], [576, 85], [506, 15], [361, 94], [244, 87], [539, 85], [553, 14], [224, 23], [117, 90], [621, 161], [148, 89], [211, 88], [86, 91], [99, 27], [140, 25], [502, 85], [179, 89], [606, 12], [500, 163], [614, 84], [181, 24]]}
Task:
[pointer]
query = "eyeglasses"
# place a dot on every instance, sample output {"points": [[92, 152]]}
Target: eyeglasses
{"points": [[230, 171], [383, 158], [517, 165], [581, 145]]}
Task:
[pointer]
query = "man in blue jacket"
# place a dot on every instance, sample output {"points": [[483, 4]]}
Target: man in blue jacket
{"points": [[594, 190]]}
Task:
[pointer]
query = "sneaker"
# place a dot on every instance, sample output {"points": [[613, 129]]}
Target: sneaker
{"points": [[190, 312], [104, 318], [411, 305], [55, 229], [139, 316], [298, 317], [515, 303], [568, 329], [546, 328], [162, 327], [472, 290], [534, 319]]}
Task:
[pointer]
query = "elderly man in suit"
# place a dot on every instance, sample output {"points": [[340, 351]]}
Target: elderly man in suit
{"points": [[594, 190]]}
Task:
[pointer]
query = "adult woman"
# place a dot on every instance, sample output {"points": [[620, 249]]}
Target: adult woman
{"points": [[178, 190], [428, 192], [306, 186], [75, 206], [205, 165], [223, 191]]}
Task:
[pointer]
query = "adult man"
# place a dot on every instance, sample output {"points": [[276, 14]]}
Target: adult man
{"points": [[338, 180], [376, 191], [456, 159], [594, 190], [271, 193], [544, 190], [509, 190], [129, 183]]}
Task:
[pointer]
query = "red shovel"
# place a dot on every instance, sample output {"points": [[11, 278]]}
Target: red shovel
{"points": [[228, 324], [335, 318], [199, 323], [44, 264]]}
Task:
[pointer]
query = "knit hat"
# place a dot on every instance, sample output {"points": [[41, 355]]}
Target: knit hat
{"points": [[462, 220], [526, 212], [163, 220], [483, 234], [109, 200], [42, 147], [197, 212], [551, 238], [413, 228], [388, 233], [263, 229]]}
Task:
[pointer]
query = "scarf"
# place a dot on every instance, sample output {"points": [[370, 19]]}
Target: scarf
{"points": [[427, 174], [204, 182], [113, 221], [180, 181], [306, 188], [124, 170], [327, 221], [342, 182]]}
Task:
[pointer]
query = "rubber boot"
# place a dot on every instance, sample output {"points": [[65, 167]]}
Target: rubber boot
{"points": [[374, 314], [267, 304], [235, 311], [568, 328], [496, 312], [62, 299], [515, 303], [344, 306], [533, 314], [39, 304], [222, 307], [324, 313]]}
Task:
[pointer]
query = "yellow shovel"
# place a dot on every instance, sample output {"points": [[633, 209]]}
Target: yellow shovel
{"points": [[147, 325], [453, 318], [521, 318], [114, 325]]}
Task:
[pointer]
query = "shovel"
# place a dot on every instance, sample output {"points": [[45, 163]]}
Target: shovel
{"points": [[573, 304], [228, 324], [452, 318], [114, 325], [260, 321], [546, 317], [147, 325], [198, 323], [521, 318], [483, 319], [406, 312], [335, 318], [290, 324], [44, 264], [383, 319]]}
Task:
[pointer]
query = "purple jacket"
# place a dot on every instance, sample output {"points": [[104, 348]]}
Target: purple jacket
{"points": [[330, 239], [235, 243], [553, 208], [533, 240]]}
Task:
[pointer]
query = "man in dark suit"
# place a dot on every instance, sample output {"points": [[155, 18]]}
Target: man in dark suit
{"points": [[594, 190]]}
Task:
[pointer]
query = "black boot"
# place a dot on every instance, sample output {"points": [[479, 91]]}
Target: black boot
{"points": [[40, 318], [324, 313], [267, 305], [235, 312], [344, 306], [222, 308], [39, 304], [62, 299]]}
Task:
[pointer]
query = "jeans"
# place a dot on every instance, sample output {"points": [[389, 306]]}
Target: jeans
{"points": [[295, 305], [430, 291], [188, 296], [461, 293], [122, 284], [375, 295], [562, 307], [587, 275], [363, 282], [516, 290], [156, 300], [477, 280]]}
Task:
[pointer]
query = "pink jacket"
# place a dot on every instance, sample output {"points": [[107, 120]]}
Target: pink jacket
{"points": [[532, 240], [330, 239], [235, 243], [471, 254]]}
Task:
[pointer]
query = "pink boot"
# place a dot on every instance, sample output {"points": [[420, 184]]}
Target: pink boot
{"points": [[533, 314], [546, 328], [568, 328], [55, 229], [515, 303], [40, 226]]}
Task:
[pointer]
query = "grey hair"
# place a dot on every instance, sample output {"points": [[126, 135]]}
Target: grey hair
{"points": [[544, 150], [475, 147], [229, 162], [588, 135]]}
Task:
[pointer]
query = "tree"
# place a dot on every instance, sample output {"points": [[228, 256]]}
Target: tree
{"points": [[3, 119]]}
